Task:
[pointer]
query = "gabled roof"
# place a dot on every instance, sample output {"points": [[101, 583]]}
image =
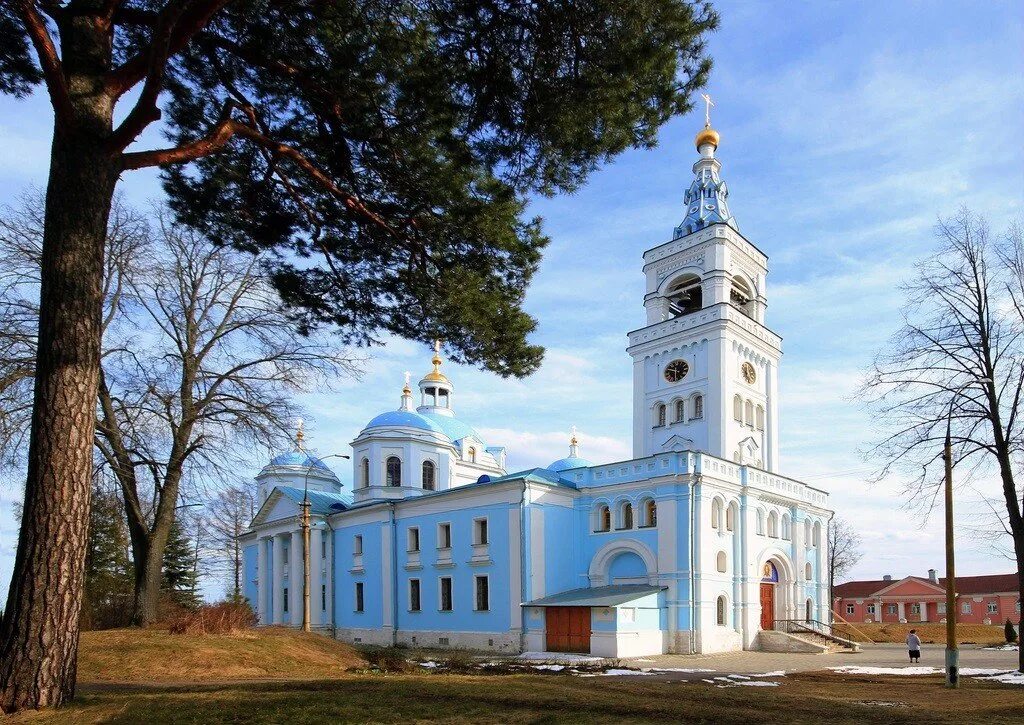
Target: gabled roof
{"points": [[536, 475], [320, 502], [607, 596], [985, 584]]}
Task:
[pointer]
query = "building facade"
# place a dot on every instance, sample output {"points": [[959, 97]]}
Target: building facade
{"points": [[695, 544], [990, 599]]}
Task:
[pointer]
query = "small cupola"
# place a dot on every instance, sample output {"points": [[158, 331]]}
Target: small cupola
{"points": [[573, 460], [436, 388]]}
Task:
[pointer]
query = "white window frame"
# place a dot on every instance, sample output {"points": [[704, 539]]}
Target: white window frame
{"points": [[850, 609], [440, 594], [359, 598], [412, 540], [481, 531], [444, 531], [357, 544], [476, 592], [419, 595]]}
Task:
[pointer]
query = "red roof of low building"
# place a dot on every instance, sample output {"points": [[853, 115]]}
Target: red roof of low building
{"points": [[985, 584]]}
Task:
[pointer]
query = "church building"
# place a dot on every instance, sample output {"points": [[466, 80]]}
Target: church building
{"points": [[696, 544]]}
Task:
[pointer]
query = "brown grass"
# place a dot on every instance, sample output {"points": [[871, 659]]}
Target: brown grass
{"points": [[156, 656], [393, 698], [930, 632]]}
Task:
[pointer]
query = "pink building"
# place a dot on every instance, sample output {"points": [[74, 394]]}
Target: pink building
{"points": [[990, 599]]}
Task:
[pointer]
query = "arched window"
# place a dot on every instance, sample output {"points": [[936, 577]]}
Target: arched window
{"points": [[730, 517], [648, 513], [364, 472], [760, 417], [809, 614], [472, 454], [680, 411], [716, 514], [750, 413], [625, 515], [721, 562], [720, 611], [684, 296], [773, 525], [698, 407], [429, 475], [817, 533], [760, 522], [659, 415], [394, 471], [808, 571], [603, 519], [737, 408], [786, 534], [742, 297]]}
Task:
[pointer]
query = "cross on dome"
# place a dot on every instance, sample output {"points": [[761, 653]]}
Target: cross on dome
{"points": [[708, 103], [299, 434]]}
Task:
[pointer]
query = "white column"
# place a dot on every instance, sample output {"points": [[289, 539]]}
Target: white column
{"points": [[328, 617], [276, 600], [295, 579], [924, 611], [821, 575], [901, 611], [263, 611], [315, 563]]}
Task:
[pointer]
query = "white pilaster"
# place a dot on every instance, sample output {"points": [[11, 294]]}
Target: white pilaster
{"points": [[901, 611], [295, 579], [924, 611], [329, 579], [276, 599]]}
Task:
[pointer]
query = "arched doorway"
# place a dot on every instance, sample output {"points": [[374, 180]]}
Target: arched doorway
{"points": [[809, 611], [769, 582]]}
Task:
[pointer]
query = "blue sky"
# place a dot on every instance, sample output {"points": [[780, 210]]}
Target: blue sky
{"points": [[847, 128]]}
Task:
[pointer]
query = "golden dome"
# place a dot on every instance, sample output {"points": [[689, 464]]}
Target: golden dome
{"points": [[707, 135], [435, 375]]}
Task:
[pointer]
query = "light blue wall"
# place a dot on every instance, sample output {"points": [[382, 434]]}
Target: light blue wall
{"points": [[345, 615], [562, 566], [626, 565], [249, 560]]}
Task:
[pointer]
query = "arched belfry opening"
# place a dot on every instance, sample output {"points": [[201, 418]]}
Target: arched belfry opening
{"points": [[741, 296], [685, 295]]}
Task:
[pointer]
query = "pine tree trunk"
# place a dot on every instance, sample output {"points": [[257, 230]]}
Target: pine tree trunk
{"points": [[39, 632]]}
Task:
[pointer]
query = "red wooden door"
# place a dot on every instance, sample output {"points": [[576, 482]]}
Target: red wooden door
{"points": [[568, 629], [767, 605]]}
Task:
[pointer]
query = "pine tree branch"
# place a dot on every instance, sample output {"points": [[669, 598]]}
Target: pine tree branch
{"points": [[49, 60]]}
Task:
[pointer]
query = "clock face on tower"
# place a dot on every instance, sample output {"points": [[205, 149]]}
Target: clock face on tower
{"points": [[676, 371], [748, 372]]}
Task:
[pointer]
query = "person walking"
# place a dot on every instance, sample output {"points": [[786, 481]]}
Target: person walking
{"points": [[914, 645]]}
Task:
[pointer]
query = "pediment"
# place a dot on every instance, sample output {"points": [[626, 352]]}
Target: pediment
{"points": [[677, 443], [277, 506]]}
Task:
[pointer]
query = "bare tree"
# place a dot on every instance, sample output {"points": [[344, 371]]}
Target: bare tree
{"points": [[843, 550], [227, 516], [957, 365], [199, 365]]}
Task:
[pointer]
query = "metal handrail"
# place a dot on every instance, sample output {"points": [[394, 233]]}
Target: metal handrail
{"points": [[813, 626]]}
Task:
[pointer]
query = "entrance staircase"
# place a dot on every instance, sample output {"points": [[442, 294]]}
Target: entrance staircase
{"points": [[816, 636]]}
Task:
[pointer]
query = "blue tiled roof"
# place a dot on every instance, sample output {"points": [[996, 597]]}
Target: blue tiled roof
{"points": [[541, 475], [570, 462], [405, 419], [320, 502], [454, 428]]}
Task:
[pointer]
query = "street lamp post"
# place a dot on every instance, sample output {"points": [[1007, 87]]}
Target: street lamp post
{"points": [[305, 524], [952, 648]]}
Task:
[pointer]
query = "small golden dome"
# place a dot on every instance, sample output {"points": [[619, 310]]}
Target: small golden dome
{"points": [[435, 375], [707, 135]]}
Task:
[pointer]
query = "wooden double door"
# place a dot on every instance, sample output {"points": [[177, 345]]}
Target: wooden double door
{"points": [[568, 629], [767, 606]]}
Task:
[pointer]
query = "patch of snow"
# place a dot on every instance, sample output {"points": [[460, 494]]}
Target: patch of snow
{"points": [[620, 673], [710, 682], [690, 670], [751, 683], [554, 668], [428, 665], [739, 677], [1004, 647], [557, 657], [1010, 677], [776, 673], [907, 671]]}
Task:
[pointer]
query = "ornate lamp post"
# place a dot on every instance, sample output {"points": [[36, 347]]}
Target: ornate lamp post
{"points": [[304, 523]]}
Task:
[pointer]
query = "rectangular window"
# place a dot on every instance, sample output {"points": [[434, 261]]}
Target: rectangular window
{"points": [[942, 608], [414, 595], [965, 607], [480, 531], [871, 609], [357, 544], [849, 609], [285, 600], [444, 536], [915, 608], [359, 596], [892, 608], [323, 597], [483, 602], [628, 615], [993, 608], [413, 539], [446, 593]]}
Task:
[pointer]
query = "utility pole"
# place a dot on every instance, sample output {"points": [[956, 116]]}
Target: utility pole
{"points": [[305, 563], [952, 649]]}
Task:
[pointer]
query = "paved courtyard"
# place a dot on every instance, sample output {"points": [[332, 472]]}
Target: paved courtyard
{"points": [[872, 655]]}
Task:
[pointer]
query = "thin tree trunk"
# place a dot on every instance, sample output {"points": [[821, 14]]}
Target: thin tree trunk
{"points": [[39, 633]]}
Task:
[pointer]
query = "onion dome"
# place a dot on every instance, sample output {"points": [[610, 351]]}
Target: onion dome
{"points": [[706, 135], [435, 375], [573, 460]]}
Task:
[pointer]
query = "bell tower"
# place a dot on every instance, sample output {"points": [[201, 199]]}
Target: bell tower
{"points": [[705, 368]]}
